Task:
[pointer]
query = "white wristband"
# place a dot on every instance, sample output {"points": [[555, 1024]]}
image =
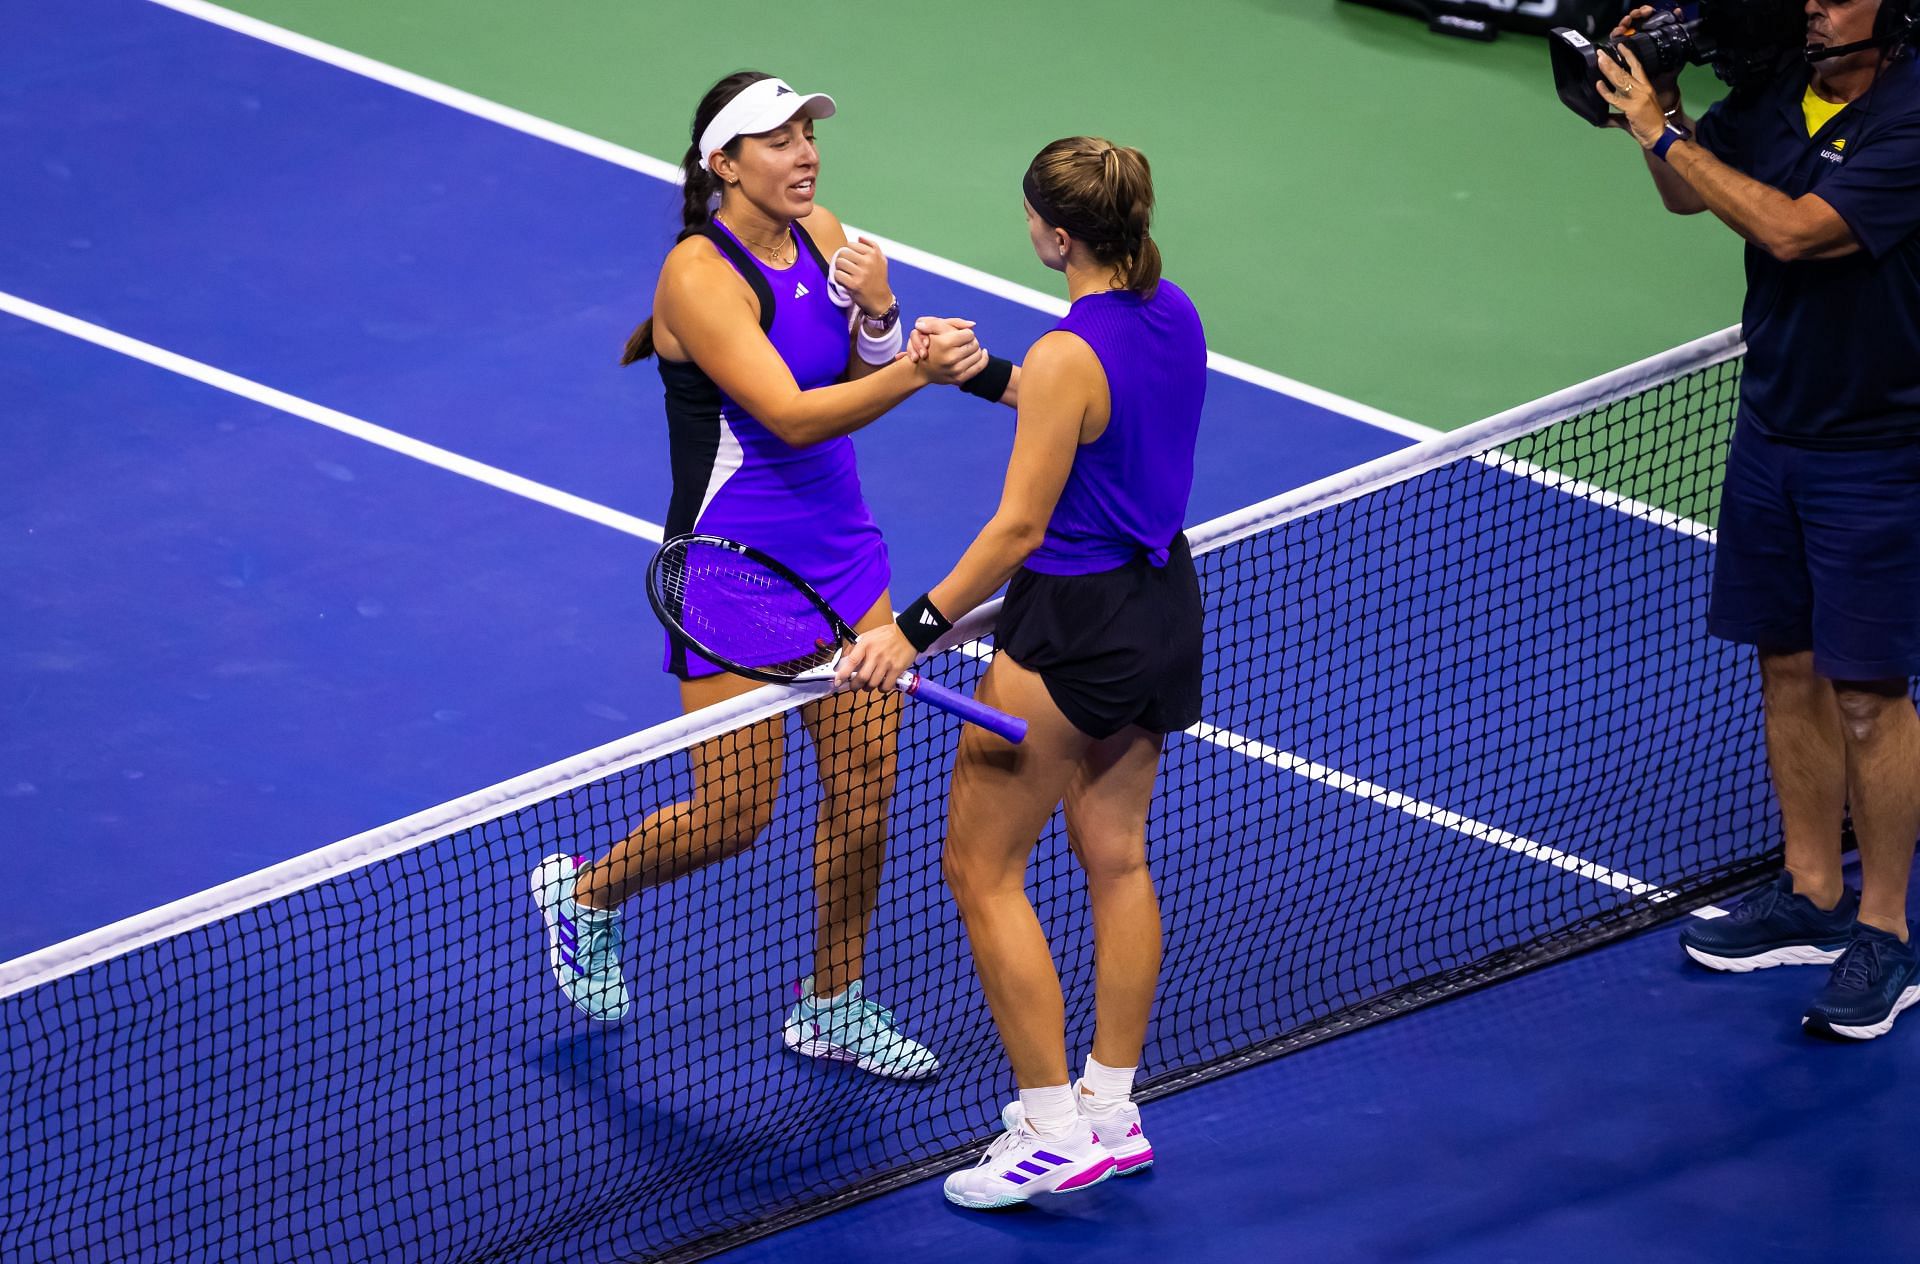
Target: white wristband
{"points": [[836, 291], [881, 349]]}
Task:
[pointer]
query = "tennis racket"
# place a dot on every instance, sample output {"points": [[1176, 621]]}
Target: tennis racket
{"points": [[744, 611]]}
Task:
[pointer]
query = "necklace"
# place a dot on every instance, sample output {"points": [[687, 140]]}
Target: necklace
{"points": [[775, 254]]}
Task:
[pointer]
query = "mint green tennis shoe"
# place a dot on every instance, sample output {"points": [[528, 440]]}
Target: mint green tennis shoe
{"points": [[583, 944], [851, 1028]]}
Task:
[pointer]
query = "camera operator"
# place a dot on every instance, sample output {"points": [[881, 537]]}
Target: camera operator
{"points": [[1818, 558]]}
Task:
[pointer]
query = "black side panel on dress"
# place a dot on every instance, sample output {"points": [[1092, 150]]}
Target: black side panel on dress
{"points": [[743, 264], [693, 445]]}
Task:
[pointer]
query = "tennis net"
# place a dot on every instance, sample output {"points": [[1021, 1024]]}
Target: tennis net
{"points": [[1462, 719]]}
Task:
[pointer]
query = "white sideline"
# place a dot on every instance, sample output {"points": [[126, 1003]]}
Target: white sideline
{"points": [[277, 881], [433, 824], [380, 436], [1481, 440], [1421, 811], [645, 164], [1713, 348]]}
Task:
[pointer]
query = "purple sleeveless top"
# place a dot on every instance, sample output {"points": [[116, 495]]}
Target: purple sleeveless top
{"points": [[733, 477], [1127, 493]]}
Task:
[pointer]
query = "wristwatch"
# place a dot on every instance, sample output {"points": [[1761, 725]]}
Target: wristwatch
{"points": [[884, 322]]}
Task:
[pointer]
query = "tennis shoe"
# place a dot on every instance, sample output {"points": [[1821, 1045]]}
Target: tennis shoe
{"points": [[1021, 1164], [851, 1028], [1875, 979], [1773, 926], [1116, 1128], [583, 944]]}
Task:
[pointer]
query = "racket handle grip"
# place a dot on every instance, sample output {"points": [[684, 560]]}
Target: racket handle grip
{"points": [[970, 709]]}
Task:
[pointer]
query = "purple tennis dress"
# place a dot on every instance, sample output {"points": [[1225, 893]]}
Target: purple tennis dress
{"points": [[1127, 492], [1107, 611], [733, 477]]}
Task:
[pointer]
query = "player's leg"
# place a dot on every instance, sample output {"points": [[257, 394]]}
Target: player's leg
{"points": [[855, 742], [1107, 806], [736, 781], [1001, 799]]}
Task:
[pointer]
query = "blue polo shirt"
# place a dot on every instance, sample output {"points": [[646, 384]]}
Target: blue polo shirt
{"points": [[1833, 346]]}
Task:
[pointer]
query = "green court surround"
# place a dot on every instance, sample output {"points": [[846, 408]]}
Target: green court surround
{"points": [[1410, 221]]}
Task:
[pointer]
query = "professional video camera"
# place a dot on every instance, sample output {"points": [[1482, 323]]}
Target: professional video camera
{"points": [[1747, 42]]}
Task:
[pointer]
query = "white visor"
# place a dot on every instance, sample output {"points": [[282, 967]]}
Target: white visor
{"points": [[759, 107]]}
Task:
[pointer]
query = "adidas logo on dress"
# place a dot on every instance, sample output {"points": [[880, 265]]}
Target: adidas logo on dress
{"points": [[800, 289]]}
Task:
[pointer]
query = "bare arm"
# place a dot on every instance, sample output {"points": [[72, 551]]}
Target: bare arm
{"points": [[1068, 384], [1012, 398], [1675, 193], [923, 339], [1068, 387], [711, 312], [1789, 229], [831, 237]]}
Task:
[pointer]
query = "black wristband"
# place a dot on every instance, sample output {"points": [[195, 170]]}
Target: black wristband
{"points": [[921, 624], [990, 383]]}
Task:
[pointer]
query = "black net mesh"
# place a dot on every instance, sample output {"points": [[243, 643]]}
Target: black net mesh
{"points": [[1458, 725]]}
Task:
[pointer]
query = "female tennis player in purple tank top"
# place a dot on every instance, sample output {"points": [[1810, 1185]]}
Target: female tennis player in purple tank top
{"points": [[768, 367], [1099, 650]]}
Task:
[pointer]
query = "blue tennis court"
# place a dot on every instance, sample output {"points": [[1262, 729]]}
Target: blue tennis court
{"points": [[326, 505]]}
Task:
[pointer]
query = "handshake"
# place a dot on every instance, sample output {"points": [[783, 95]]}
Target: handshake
{"points": [[945, 350]]}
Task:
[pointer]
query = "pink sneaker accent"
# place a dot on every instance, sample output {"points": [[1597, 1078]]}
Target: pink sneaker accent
{"points": [[1092, 1176]]}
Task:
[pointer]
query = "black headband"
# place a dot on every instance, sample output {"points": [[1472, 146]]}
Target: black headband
{"points": [[1046, 210]]}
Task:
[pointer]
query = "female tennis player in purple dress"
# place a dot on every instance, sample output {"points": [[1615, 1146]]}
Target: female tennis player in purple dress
{"points": [[1099, 650], [766, 375]]}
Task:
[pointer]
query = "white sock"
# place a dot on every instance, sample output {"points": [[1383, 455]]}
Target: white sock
{"points": [[1104, 1086], [1050, 1111]]}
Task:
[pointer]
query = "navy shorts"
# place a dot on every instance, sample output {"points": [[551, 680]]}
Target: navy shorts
{"points": [[1114, 648], [1820, 550]]}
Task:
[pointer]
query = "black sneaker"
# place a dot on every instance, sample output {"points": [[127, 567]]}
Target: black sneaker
{"points": [[1875, 978], [1773, 927]]}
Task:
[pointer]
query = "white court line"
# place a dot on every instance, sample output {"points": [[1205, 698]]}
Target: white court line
{"points": [[77, 953], [430, 825], [1433, 814], [658, 169], [1423, 811], [293, 405], [433, 824]]}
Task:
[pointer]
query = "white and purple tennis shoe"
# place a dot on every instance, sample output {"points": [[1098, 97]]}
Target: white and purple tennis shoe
{"points": [[1021, 1164], [850, 1028], [1116, 1127], [583, 944]]}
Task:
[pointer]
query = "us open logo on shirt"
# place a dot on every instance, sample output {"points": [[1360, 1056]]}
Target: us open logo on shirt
{"points": [[1836, 150]]}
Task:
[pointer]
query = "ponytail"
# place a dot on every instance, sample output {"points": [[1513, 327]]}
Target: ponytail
{"points": [[699, 190], [1128, 183], [1102, 193], [1143, 268]]}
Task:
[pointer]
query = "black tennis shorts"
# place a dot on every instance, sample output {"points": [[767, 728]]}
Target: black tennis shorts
{"points": [[1116, 647]]}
